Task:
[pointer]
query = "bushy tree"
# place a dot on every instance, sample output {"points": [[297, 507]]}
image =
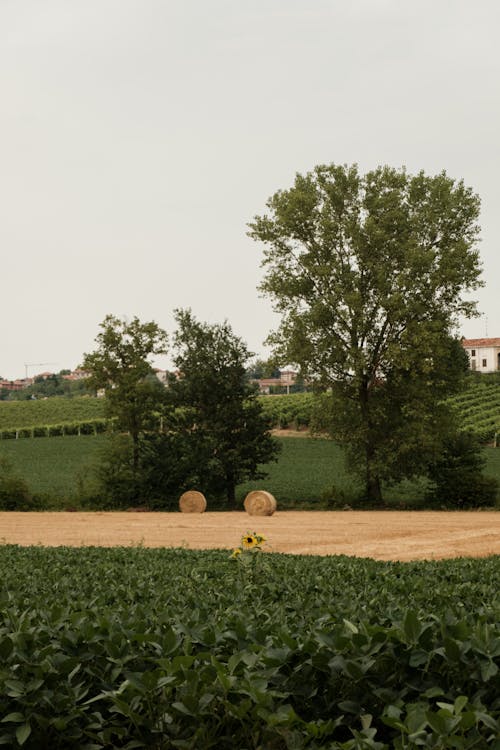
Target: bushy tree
{"points": [[216, 409], [164, 470], [456, 474], [121, 367], [14, 492], [369, 274]]}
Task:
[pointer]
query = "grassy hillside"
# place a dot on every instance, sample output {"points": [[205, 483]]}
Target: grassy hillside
{"points": [[54, 467], [478, 407], [56, 410]]}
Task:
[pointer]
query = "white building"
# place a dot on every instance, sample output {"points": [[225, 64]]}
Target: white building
{"points": [[484, 354]]}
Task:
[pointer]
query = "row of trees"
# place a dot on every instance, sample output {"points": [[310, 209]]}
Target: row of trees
{"points": [[205, 430], [370, 274]]}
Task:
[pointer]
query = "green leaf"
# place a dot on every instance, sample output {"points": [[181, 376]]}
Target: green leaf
{"points": [[412, 626], [15, 718], [6, 647], [22, 733], [460, 703]]}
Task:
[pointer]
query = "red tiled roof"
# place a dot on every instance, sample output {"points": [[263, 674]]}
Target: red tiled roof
{"points": [[480, 343]]}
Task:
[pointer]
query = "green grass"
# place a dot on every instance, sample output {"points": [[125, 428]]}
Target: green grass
{"points": [[306, 469], [52, 467], [17, 414], [304, 475]]}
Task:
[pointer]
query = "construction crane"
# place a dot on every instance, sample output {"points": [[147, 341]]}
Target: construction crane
{"points": [[35, 364]]}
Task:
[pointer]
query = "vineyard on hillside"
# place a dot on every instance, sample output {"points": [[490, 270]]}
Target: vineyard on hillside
{"points": [[478, 409], [51, 416]]}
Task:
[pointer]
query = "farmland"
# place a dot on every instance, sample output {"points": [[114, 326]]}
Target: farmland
{"points": [[477, 407], [308, 474], [173, 648]]}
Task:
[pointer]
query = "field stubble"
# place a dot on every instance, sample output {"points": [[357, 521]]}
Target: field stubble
{"points": [[381, 535]]}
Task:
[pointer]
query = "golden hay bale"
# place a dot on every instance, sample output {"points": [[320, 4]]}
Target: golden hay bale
{"points": [[260, 503], [192, 501]]}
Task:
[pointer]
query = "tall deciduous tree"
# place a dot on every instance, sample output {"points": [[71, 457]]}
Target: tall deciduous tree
{"points": [[369, 274], [121, 366], [216, 408]]}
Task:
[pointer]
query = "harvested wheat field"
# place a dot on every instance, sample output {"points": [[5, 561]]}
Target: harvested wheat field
{"points": [[382, 535]]}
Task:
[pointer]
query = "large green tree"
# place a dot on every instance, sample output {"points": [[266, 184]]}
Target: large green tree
{"points": [[121, 367], [369, 273], [214, 409]]}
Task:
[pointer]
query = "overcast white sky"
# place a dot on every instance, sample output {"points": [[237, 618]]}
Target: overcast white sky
{"points": [[138, 137]]}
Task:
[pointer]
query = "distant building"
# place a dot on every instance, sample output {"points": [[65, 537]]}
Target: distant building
{"points": [[484, 354], [15, 385], [286, 379], [76, 375]]}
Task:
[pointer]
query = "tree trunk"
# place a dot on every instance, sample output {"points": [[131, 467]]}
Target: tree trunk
{"points": [[230, 493], [135, 453], [373, 490]]}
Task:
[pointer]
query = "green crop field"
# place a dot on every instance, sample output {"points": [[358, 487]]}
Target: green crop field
{"points": [[138, 648], [54, 467], [306, 475]]}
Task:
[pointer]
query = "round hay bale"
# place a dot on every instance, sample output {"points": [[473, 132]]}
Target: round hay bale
{"points": [[260, 503], [192, 501]]}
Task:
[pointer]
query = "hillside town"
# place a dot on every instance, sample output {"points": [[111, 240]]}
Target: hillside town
{"points": [[483, 353]]}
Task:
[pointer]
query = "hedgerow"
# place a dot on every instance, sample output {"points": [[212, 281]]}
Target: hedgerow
{"points": [[130, 648], [87, 427]]}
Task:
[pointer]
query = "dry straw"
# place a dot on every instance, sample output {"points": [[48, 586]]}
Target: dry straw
{"points": [[192, 501], [260, 503]]}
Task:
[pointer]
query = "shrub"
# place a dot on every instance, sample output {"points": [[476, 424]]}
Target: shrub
{"points": [[14, 492], [456, 474]]}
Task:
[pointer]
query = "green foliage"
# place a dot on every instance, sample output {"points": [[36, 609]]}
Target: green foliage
{"points": [[214, 409], [120, 365], [48, 387], [262, 368], [58, 471], [92, 427], [478, 407], [14, 492], [369, 274], [166, 467], [293, 410], [62, 471], [166, 649], [456, 474]]}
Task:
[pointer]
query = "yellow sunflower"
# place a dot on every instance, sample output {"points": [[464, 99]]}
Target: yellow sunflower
{"points": [[236, 552], [248, 541]]}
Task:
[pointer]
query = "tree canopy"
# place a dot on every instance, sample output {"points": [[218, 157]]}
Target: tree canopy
{"points": [[121, 366], [370, 274], [216, 408]]}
